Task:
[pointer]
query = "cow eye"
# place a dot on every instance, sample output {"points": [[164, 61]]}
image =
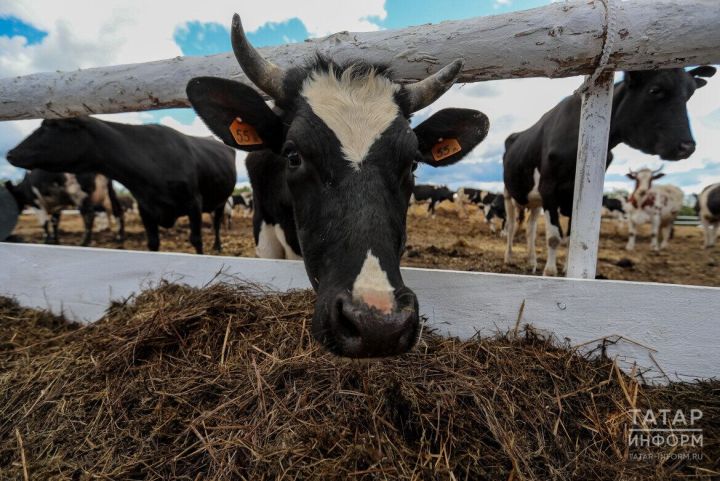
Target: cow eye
{"points": [[656, 91], [294, 159]]}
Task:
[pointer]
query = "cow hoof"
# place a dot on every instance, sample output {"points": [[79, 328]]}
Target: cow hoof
{"points": [[550, 272]]}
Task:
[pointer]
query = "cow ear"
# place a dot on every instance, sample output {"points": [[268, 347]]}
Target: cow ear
{"points": [[631, 175], [702, 71], [657, 176], [450, 134], [236, 113]]}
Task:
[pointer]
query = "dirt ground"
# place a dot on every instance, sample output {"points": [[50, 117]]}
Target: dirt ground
{"points": [[446, 241]]}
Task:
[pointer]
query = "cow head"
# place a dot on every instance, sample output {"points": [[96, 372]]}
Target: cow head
{"points": [[58, 145], [643, 183], [651, 111], [349, 152]]}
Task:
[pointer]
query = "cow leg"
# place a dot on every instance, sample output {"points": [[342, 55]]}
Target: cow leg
{"points": [[431, 208], [553, 238], [118, 213], [713, 234], [151, 230], [217, 222], [88, 215], [195, 217], [632, 233], [666, 234], [655, 232], [55, 221], [510, 217], [531, 233]]}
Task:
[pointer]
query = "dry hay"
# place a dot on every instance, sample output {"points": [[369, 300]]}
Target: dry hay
{"points": [[225, 382]]}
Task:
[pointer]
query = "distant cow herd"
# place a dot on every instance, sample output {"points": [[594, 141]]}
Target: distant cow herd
{"points": [[331, 164]]}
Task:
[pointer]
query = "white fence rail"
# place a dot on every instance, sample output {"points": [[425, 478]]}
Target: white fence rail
{"points": [[559, 40]]}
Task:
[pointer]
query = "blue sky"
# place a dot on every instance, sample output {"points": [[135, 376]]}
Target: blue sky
{"points": [[47, 35]]}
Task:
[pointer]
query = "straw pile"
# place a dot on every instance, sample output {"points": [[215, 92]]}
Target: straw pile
{"points": [[226, 383]]}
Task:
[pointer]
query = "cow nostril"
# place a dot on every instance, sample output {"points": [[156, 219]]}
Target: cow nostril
{"points": [[687, 147], [344, 319]]}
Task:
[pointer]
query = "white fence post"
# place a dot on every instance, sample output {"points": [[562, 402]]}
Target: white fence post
{"points": [[590, 177]]}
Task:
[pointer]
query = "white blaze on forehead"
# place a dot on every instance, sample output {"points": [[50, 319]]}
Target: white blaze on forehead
{"points": [[372, 286], [357, 110]]}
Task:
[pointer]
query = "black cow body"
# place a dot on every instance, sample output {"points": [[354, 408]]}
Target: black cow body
{"points": [[648, 113], [331, 168], [51, 192], [433, 194], [708, 210], [169, 174]]}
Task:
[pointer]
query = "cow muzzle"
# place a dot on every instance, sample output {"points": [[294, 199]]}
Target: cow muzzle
{"points": [[357, 330]]}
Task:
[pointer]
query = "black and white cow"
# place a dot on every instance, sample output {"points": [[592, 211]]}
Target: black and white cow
{"points": [[491, 204], [331, 167], [708, 210], [496, 209], [649, 113], [612, 207], [169, 174], [433, 195], [245, 201], [51, 192]]}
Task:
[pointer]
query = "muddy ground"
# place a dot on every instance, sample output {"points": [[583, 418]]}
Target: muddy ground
{"points": [[446, 241]]}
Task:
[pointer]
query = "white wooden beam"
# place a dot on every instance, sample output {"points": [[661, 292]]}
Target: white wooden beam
{"points": [[558, 40], [675, 326], [590, 177]]}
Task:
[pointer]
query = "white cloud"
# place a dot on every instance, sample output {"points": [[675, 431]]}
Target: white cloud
{"points": [[87, 33]]}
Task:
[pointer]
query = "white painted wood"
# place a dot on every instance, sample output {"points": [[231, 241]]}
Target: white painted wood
{"points": [[558, 40], [677, 325], [590, 178]]}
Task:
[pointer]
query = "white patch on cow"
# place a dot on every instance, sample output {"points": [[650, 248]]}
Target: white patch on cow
{"points": [[372, 286], [534, 198], [357, 110], [289, 251], [73, 189], [553, 237], [100, 195], [268, 246]]}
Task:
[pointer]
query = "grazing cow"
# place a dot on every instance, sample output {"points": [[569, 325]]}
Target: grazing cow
{"points": [[169, 174], [245, 200], [708, 210], [331, 167], [657, 204], [468, 195], [496, 208], [51, 192], [612, 207], [649, 113], [433, 194]]}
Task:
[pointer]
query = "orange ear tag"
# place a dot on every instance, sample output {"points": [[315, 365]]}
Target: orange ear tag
{"points": [[244, 133], [445, 148]]}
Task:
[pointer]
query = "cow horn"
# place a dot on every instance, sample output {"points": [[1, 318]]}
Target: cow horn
{"points": [[428, 90], [657, 171], [267, 76]]}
